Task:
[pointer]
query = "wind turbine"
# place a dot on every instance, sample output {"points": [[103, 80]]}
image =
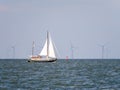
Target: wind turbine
{"points": [[102, 51], [13, 47], [72, 50]]}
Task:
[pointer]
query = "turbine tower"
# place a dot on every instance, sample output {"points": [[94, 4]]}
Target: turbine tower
{"points": [[102, 51], [72, 51], [13, 47]]}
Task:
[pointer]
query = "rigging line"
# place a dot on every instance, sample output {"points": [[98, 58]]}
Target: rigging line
{"points": [[58, 54], [57, 50]]}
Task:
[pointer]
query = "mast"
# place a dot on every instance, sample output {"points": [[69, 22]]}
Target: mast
{"points": [[33, 45], [47, 44], [48, 49]]}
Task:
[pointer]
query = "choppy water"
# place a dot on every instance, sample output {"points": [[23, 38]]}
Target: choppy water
{"points": [[61, 75]]}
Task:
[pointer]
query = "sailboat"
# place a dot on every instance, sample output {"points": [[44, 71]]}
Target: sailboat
{"points": [[47, 53]]}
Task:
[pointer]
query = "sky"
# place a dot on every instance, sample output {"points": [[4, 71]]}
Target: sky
{"points": [[85, 25]]}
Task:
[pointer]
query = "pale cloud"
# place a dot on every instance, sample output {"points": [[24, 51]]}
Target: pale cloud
{"points": [[115, 4], [18, 7], [3, 8]]}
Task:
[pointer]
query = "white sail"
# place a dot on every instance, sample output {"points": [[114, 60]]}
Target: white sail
{"points": [[44, 50], [51, 49], [51, 52]]}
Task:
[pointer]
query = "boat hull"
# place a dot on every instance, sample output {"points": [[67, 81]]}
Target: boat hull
{"points": [[43, 60]]}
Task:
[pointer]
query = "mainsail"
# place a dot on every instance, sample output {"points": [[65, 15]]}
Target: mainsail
{"points": [[48, 48]]}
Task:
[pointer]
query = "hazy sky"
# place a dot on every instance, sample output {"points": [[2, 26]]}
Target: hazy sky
{"points": [[86, 24]]}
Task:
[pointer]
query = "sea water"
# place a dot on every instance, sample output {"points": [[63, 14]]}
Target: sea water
{"points": [[60, 75]]}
